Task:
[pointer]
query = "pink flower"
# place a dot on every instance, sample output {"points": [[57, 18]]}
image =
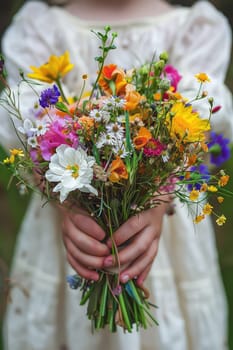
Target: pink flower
{"points": [[169, 186], [60, 132], [153, 148], [173, 75]]}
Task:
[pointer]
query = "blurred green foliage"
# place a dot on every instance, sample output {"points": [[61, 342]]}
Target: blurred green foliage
{"points": [[13, 206]]}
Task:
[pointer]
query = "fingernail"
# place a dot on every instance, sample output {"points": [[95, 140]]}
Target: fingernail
{"points": [[124, 278], [108, 261]]}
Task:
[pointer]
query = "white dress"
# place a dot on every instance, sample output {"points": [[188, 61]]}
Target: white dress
{"points": [[184, 280]]}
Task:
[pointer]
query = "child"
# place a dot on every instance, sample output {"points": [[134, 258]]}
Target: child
{"points": [[184, 278]]}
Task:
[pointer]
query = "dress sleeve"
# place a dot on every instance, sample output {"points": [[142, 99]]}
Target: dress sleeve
{"points": [[28, 41], [203, 44]]}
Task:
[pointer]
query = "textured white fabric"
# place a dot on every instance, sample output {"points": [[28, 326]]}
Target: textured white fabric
{"points": [[184, 280]]}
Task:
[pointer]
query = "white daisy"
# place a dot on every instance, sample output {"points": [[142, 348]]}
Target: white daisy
{"points": [[72, 169], [106, 139], [120, 150], [115, 130], [100, 115], [41, 127], [112, 103], [32, 141]]}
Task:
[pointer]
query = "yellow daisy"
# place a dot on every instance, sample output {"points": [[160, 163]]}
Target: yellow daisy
{"points": [[207, 209], [194, 194], [202, 77], [185, 124], [221, 220]]}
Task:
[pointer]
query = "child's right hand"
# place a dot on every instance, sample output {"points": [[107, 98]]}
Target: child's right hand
{"points": [[82, 237]]}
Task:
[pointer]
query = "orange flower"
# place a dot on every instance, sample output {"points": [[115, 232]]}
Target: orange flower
{"points": [[157, 96], [223, 180], [111, 73], [192, 159], [199, 218], [120, 81], [133, 98], [118, 170], [142, 138], [87, 124], [106, 77]]}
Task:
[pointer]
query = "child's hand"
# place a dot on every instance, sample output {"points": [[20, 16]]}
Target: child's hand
{"points": [[144, 231], [82, 238]]}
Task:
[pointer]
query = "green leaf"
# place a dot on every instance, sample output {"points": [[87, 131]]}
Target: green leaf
{"points": [[62, 107]]}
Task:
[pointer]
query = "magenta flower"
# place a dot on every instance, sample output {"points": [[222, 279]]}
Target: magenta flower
{"points": [[170, 185], [60, 133], [153, 148], [173, 75]]}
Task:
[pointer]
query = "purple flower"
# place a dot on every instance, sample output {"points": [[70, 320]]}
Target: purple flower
{"points": [[199, 174], [49, 96], [219, 149], [74, 281]]}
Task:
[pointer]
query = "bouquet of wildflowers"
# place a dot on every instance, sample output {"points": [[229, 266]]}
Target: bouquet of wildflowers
{"points": [[115, 151]]}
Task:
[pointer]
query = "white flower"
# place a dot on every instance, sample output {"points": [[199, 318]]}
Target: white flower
{"points": [[32, 141], [120, 150], [41, 127], [106, 139], [27, 128], [112, 103], [72, 169], [100, 115], [115, 130]]}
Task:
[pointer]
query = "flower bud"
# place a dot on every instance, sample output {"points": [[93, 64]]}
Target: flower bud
{"points": [[164, 56], [158, 66]]}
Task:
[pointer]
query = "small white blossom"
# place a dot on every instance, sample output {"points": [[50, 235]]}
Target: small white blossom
{"points": [[32, 141], [115, 130], [106, 139], [120, 150], [112, 103], [27, 128], [72, 169], [41, 127], [100, 115]]}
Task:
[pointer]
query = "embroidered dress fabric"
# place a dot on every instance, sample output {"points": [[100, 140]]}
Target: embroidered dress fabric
{"points": [[184, 280]]}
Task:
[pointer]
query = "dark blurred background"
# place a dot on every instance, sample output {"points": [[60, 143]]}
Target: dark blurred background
{"points": [[12, 205]]}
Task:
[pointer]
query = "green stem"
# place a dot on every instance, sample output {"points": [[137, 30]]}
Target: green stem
{"points": [[61, 91], [124, 313]]}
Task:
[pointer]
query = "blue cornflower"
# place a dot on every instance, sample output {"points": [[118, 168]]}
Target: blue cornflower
{"points": [[219, 149], [74, 281], [49, 96], [200, 174]]}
